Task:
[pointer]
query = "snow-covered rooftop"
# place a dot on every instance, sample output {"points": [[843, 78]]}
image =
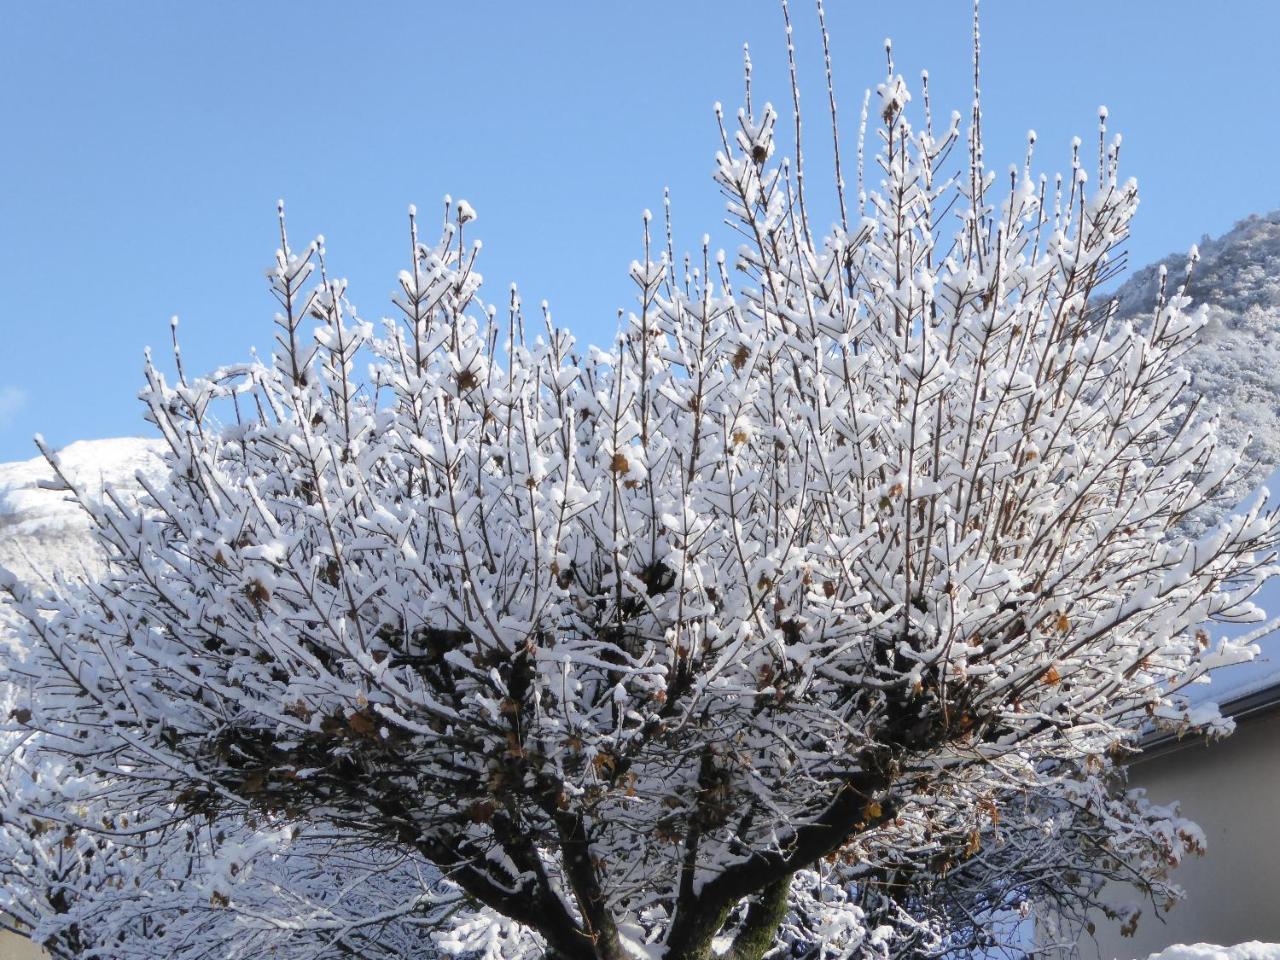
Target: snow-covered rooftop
{"points": [[1243, 679], [1253, 950]]}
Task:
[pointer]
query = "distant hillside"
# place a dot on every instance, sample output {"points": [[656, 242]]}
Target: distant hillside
{"points": [[41, 531], [1236, 364]]}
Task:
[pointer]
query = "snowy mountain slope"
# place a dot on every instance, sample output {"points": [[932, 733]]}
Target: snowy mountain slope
{"points": [[1236, 364], [1236, 367], [42, 531]]}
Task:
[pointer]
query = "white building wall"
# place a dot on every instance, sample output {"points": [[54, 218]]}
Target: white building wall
{"points": [[1232, 789], [13, 947]]}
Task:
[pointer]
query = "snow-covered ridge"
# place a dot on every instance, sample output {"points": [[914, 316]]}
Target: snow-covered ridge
{"points": [[1236, 362], [43, 530], [1235, 365]]}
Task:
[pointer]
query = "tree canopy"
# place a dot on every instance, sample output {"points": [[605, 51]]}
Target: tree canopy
{"points": [[819, 608]]}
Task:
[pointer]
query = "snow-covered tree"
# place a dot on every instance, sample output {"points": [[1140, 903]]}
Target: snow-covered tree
{"points": [[815, 611]]}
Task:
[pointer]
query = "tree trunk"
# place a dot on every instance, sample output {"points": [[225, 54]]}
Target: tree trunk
{"points": [[755, 937], [764, 917], [696, 944]]}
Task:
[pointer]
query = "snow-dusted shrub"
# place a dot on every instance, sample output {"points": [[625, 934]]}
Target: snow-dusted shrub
{"points": [[814, 611]]}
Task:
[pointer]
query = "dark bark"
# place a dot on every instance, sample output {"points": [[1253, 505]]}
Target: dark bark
{"points": [[581, 873], [759, 929], [692, 934], [844, 816], [754, 938]]}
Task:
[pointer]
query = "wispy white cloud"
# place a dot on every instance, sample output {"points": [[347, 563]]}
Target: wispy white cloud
{"points": [[12, 399]]}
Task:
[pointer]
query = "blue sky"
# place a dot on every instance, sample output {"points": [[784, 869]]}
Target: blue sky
{"points": [[145, 143]]}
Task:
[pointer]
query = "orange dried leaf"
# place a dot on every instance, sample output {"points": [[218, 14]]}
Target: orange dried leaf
{"points": [[361, 723], [481, 811], [974, 844]]}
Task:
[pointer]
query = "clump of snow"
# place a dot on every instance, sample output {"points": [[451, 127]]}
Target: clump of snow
{"points": [[1253, 950], [43, 531]]}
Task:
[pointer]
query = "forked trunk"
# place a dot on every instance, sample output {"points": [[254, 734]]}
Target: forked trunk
{"points": [[754, 938]]}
